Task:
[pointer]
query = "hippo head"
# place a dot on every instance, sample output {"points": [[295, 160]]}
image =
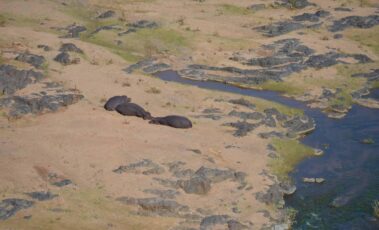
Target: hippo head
{"points": [[147, 116]]}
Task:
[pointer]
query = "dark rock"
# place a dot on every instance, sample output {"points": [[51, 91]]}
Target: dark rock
{"points": [[343, 9], [156, 68], [157, 206], [235, 225], [34, 60], [172, 121], [20, 106], [42, 196], [271, 134], [362, 22], [62, 183], [211, 110], [274, 195], [218, 175], [247, 116], [142, 24], [165, 194], [279, 28], [167, 183], [359, 222], [323, 60], [115, 101], [139, 65], [9, 207], [337, 36], [44, 47], [131, 109], [257, 7], [300, 124], [297, 4], [73, 31], [70, 47], [196, 185], [243, 102], [269, 122], [242, 127], [272, 61], [107, 14], [148, 167], [107, 27], [12, 79], [361, 58], [210, 222], [371, 76], [64, 58], [315, 17]]}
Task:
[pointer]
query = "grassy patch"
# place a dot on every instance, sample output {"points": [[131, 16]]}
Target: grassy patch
{"points": [[282, 87], [234, 10], [366, 37], [291, 152], [153, 90], [375, 207]]}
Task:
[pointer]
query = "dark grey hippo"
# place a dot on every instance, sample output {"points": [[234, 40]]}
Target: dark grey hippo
{"points": [[115, 101], [173, 121], [131, 109]]}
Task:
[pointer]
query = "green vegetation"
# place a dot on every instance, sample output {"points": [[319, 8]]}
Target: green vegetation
{"points": [[3, 20], [368, 141], [234, 10], [375, 207], [291, 152], [282, 87], [366, 37], [153, 90]]}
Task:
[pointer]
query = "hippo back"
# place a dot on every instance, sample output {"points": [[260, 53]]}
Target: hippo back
{"points": [[115, 101]]}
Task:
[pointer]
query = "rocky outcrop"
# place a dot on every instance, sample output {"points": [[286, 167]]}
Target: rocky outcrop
{"points": [[145, 167], [34, 60], [12, 79], [9, 207], [362, 22]]}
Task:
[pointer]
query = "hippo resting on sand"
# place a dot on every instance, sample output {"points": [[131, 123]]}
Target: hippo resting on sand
{"points": [[131, 109], [115, 101], [173, 121]]}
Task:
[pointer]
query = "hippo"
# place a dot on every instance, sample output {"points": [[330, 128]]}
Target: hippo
{"points": [[113, 102], [131, 109], [173, 121]]}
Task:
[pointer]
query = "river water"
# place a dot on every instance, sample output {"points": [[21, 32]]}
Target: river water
{"points": [[350, 167]]}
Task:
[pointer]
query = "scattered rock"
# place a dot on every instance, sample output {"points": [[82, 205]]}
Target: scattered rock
{"points": [[42, 196], [297, 4], [34, 60], [70, 47], [344, 9], [337, 36], [19, 106], [64, 58], [242, 127], [107, 14], [164, 194], [271, 134], [44, 47], [256, 7], [148, 66], [142, 24], [274, 195], [247, 116], [242, 102], [157, 206], [196, 185], [73, 31], [362, 22], [9, 207], [313, 180], [221, 221], [148, 167], [62, 183], [300, 124], [315, 17], [12, 79], [279, 28]]}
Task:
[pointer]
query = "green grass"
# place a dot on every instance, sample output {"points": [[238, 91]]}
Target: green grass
{"points": [[291, 152], [366, 37], [234, 10], [375, 207], [282, 87]]}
